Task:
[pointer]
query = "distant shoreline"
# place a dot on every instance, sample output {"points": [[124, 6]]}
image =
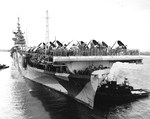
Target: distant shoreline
{"points": [[145, 53], [4, 50]]}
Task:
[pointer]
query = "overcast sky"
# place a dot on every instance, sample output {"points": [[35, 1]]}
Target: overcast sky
{"points": [[103, 20]]}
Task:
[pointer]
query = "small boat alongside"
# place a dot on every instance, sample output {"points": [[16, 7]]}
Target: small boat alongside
{"points": [[3, 66], [111, 93]]}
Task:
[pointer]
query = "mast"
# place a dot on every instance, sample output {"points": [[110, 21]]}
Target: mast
{"points": [[47, 32], [18, 24], [47, 27], [26, 39]]}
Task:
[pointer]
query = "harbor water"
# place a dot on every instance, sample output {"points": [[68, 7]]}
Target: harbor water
{"points": [[19, 101]]}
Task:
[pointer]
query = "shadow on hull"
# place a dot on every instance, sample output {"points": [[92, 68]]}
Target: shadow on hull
{"points": [[57, 104], [60, 106]]}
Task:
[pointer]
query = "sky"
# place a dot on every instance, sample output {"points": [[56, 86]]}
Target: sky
{"points": [[102, 20]]}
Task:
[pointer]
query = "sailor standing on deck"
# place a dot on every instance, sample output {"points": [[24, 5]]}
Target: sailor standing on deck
{"points": [[126, 81]]}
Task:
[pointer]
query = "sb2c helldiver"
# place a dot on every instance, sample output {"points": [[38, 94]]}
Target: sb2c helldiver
{"points": [[80, 72]]}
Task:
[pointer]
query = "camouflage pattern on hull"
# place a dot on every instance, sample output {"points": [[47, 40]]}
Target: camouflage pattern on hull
{"points": [[77, 86]]}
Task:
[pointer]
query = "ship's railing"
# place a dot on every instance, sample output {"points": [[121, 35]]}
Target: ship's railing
{"points": [[84, 52], [39, 58], [38, 61], [90, 52], [44, 61]]}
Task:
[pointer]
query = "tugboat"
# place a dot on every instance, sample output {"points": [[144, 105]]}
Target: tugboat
{"points": [[76, 72], [110, 93]]}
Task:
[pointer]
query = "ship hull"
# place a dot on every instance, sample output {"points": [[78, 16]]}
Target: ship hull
{"points": [[77, 87], [82, 88]]}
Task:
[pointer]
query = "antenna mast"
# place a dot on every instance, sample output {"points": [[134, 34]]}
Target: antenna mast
{"points": [[47, 27], [18, 24], [47, 32], [26, 38]]}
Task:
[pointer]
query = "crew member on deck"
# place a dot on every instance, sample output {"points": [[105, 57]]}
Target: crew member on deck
{"points": [[105, 79], [126, 81]]}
